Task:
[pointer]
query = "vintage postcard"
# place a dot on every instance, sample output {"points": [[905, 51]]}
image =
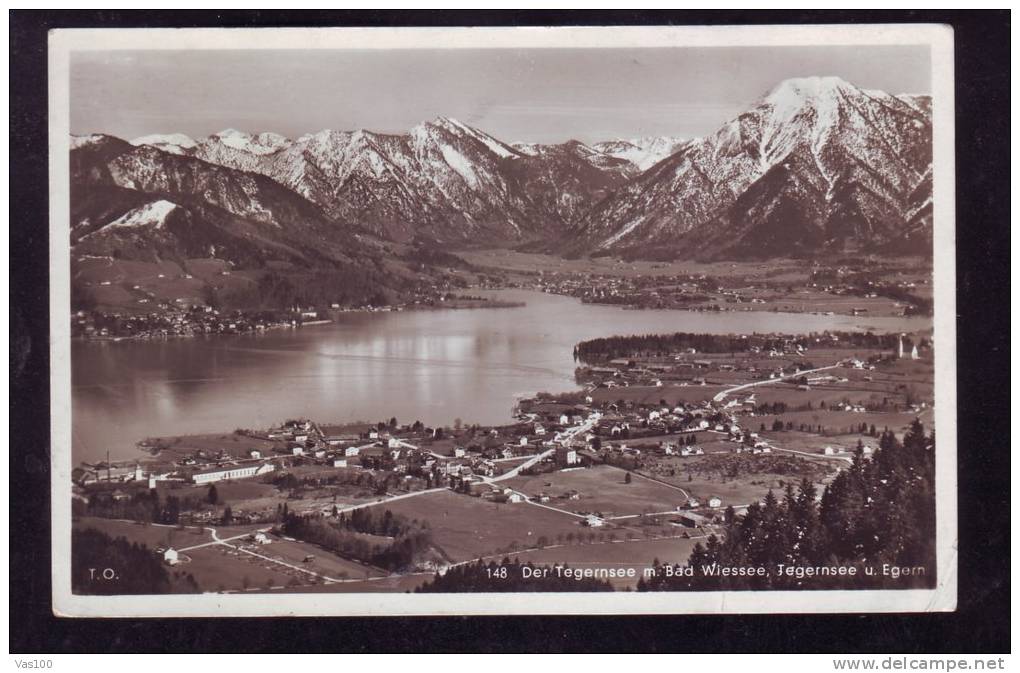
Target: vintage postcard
{"points": [[417, 321]]}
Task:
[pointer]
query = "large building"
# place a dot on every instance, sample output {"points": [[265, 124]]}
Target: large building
{"points": [[232, 472], [566, 456]]}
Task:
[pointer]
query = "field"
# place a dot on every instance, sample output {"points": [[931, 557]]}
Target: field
{"points": [[466, 528], [441, 447], [652, 394], [100, 270], [247, 491], [834, 422], [511, 260], [219, 568], [242, 495], [215, 568], [138, 286], [806, 442], [151, 535], [223, 568], [776, 285], [808, 300], [238, 446], [602, 489], [326, 563], [737, 479]]}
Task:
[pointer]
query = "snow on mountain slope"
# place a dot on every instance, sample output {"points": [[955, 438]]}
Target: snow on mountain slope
{"points": [[529, 149], [642, 152], [263, 143], [920, 102], [79, 141], [816, 161], [144, 203], [627, 156], [564, 181], [442, 179], [175, 143], [497, 147], [152, 215]]}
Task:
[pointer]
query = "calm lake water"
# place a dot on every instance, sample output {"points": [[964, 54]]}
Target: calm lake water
{"points": [[429, 365]]}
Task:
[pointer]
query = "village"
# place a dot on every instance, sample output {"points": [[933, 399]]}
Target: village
{"points": [[826, 294], [118, 299], [189, 320], [852, 286], [655, 451]]}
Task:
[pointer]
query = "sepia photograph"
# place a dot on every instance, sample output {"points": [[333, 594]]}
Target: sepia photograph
{"points": [[576, 320]]}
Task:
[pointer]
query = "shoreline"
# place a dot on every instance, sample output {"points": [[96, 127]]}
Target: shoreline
{"points": [[400, 308]]}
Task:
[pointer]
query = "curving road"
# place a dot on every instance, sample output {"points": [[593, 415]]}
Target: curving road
{"points": [[719, 397]]}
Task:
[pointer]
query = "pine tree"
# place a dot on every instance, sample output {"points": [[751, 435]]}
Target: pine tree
{"points": [[881, 509]]}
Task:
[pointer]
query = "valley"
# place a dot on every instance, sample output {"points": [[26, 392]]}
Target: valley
{"points": [[816, 167], [664, 350], [659, 453]]}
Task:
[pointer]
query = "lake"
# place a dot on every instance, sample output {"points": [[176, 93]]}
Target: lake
{"points": [[433, 366]]}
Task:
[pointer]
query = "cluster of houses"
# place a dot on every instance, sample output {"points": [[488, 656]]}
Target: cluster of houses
{"points": [[569, 435], [545, 426], [681, 370], [676, 291], [402, 450], [182, 317], [656, 420], [834, 450]]}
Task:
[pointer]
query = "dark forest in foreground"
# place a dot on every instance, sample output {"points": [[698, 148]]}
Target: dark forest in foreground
{"points": [[880, 511]]}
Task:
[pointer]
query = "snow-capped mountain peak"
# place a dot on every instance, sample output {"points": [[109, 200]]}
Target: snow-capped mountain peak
{"points": [[85, 140], [531, 149], [810, 86], [263, 143], [816, 161], [231, 135], [791, 96], [459, 128], [175, 143], [451, 123], [643, 152]]}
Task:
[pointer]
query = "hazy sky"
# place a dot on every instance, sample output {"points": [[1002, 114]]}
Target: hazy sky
{"points": [[540, 95]]}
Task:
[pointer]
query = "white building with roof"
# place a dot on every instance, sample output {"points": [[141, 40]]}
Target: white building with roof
{"points": [[231, 472]]}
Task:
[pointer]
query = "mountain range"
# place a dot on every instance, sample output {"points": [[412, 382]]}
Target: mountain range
{"points": [[814, 164]]}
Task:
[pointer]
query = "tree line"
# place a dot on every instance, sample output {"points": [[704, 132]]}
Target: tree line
{"points": [[601, 350], [319, 287], [136, 569], [144, 505], [880, 510], [399, 553]]}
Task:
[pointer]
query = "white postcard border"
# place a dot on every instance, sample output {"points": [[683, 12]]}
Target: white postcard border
{"points": [[942, 598]]}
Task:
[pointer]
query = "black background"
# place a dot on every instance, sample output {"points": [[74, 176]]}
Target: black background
{"points": [[981, 623]]}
